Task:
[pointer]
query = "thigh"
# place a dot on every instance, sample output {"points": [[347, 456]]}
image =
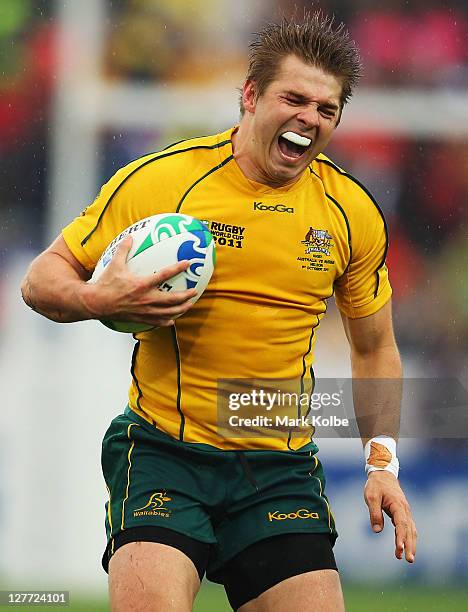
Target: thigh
{"points": [[317, 591], [263, 566], [151, 577]]}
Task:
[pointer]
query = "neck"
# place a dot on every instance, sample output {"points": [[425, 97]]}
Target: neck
{"points": [[241, 138], [243, 147]]}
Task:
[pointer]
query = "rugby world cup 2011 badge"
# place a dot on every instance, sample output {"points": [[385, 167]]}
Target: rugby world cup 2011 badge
{"points": [[317, 241]]}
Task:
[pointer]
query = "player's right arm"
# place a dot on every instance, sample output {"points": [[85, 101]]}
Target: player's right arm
{"points": [[55, 286]]}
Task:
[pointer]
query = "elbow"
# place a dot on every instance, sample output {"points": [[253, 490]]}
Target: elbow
{"points": [[26, 292], [27, 295]]}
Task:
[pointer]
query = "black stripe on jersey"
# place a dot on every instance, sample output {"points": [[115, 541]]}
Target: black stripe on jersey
{"points": [[347, 227], [340, 208], [132, 371], [304, 368], [217, 167], [312, 377], [149, 161], [373, 200], [174, 144], [179, 388]]}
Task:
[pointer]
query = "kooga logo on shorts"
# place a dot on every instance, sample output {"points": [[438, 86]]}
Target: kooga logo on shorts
{"points": [[278, 208], [299, 514]]}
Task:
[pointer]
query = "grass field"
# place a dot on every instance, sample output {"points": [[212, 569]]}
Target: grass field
{"points": [[395, 598]]}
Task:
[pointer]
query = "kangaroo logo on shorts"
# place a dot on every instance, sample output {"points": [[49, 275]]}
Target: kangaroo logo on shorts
{"points": [[155, 506], [292, 516]]}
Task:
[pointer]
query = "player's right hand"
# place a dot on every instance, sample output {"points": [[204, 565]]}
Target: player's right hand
{"points": [[120, 295]]}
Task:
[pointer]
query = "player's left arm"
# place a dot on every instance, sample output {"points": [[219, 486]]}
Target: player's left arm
{"points": [[377, 375]]}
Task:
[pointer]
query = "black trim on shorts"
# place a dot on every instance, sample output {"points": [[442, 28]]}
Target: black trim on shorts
{"points": [[198, 552], [268, 562]]}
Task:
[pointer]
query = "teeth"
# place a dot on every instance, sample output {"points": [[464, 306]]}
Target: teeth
{"points": [[297, 139]]}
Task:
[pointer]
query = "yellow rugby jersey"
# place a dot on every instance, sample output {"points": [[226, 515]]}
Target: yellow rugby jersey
{"points": [[280, 255]]}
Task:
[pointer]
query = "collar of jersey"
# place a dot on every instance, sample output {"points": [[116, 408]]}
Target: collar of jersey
{"points": [[235, 174]]}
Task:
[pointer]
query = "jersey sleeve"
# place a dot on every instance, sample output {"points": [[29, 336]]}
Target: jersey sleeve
{"points": [[365, 287], [88, 235]]}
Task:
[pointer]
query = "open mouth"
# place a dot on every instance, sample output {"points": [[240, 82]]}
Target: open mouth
{"points": [[293, 145]]}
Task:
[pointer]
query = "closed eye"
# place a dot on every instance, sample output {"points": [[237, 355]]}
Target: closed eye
{"points": [[328, 112], [294, 101]]}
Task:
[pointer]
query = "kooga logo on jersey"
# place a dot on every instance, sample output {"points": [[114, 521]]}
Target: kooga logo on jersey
{"points": [[278, 208]]}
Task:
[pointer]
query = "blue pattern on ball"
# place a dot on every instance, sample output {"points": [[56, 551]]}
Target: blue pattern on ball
{"points": [[195, 251]]}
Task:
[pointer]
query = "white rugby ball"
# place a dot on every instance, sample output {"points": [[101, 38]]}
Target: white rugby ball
{"points": [[160, 241]]}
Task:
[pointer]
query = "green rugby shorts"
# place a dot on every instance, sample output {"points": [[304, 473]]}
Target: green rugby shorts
{"points": [[228, 499]]}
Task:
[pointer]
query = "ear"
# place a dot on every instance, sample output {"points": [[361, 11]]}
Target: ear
{"points": [[249, 96]]}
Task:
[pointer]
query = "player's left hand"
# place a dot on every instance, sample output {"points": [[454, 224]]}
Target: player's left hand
{"points": [[383, 492]]}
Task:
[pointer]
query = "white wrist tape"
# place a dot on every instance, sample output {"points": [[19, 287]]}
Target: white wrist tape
{"points": [[380, 454]]}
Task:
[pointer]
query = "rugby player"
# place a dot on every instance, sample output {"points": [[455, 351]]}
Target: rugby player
{"points": [[184, 500]]}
